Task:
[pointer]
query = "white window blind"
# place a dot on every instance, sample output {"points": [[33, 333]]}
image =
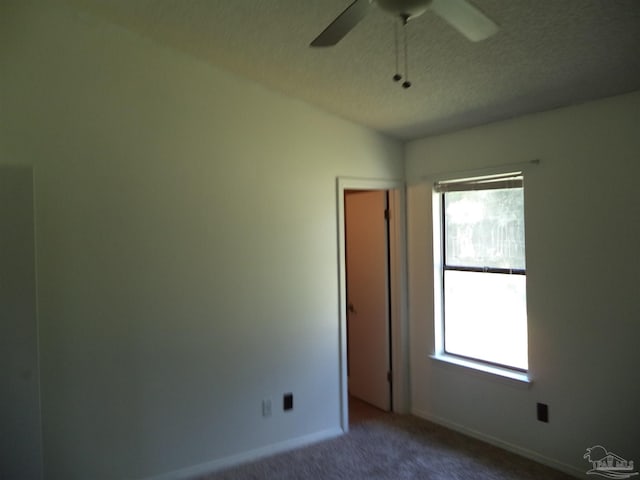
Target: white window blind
{"points": [[510, 180]]}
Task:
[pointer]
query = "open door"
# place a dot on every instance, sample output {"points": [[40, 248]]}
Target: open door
{"points": [[367, 289]]}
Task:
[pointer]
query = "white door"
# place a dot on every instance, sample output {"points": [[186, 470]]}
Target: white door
{"points": [[367, 297]]}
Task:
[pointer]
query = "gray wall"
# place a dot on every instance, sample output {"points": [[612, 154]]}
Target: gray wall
{"points": [[186, 248], [582, 215], [20, 426]]}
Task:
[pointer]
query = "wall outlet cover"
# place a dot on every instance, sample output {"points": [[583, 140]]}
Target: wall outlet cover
{"points": [[543, 412], [266, 407]]}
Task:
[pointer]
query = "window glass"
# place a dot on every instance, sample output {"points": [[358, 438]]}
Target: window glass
{"points": [[485, 228], [484, 303], [486, 317]]}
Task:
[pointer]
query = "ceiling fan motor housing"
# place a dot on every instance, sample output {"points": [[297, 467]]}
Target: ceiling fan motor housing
{"points": [[404, 8]]}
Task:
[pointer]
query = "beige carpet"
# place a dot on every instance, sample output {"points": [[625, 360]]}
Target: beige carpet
{"points": [[381, 446]]}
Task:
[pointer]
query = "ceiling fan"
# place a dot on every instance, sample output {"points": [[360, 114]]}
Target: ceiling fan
{"points": [[460, 14]]}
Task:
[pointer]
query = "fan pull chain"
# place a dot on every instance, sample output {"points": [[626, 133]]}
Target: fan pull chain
{"points": [[397, 77], [406, 84]]}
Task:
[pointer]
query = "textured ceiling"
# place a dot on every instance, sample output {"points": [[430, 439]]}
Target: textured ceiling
{"points": [[548, 53]]}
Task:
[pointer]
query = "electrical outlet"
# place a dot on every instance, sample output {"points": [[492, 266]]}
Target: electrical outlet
{"points": [[287, 401], [266, 407], [543, 412]]}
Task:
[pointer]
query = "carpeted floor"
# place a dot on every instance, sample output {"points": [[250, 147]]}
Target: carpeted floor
{"points": [[381, 446]]}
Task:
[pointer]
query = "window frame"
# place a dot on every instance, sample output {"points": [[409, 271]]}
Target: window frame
{"points": [[441, 266]]}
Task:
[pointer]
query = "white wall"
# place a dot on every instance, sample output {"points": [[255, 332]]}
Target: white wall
{"points": [[186, 247], [582, 213]]}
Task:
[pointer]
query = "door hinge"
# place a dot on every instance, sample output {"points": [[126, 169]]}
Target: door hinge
{"points": [[387, 215], [389, 376]]}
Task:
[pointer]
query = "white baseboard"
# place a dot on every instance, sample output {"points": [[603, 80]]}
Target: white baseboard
{"points": [[251, 455], [550, 462]]}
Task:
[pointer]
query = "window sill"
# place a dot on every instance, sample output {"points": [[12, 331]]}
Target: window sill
{"points": [[505, 375]]}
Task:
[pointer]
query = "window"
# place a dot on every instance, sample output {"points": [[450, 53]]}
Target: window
{"points": [[483, 273]]}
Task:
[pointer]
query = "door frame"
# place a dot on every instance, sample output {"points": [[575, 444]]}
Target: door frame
{"points": [[398, 291]]}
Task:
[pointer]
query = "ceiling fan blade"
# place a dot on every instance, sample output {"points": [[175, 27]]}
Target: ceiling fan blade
{"points": [[466, 18], [342, 24]]}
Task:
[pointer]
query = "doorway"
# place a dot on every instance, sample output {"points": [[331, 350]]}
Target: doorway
{"points": [[392, 337], [366, 216]]}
